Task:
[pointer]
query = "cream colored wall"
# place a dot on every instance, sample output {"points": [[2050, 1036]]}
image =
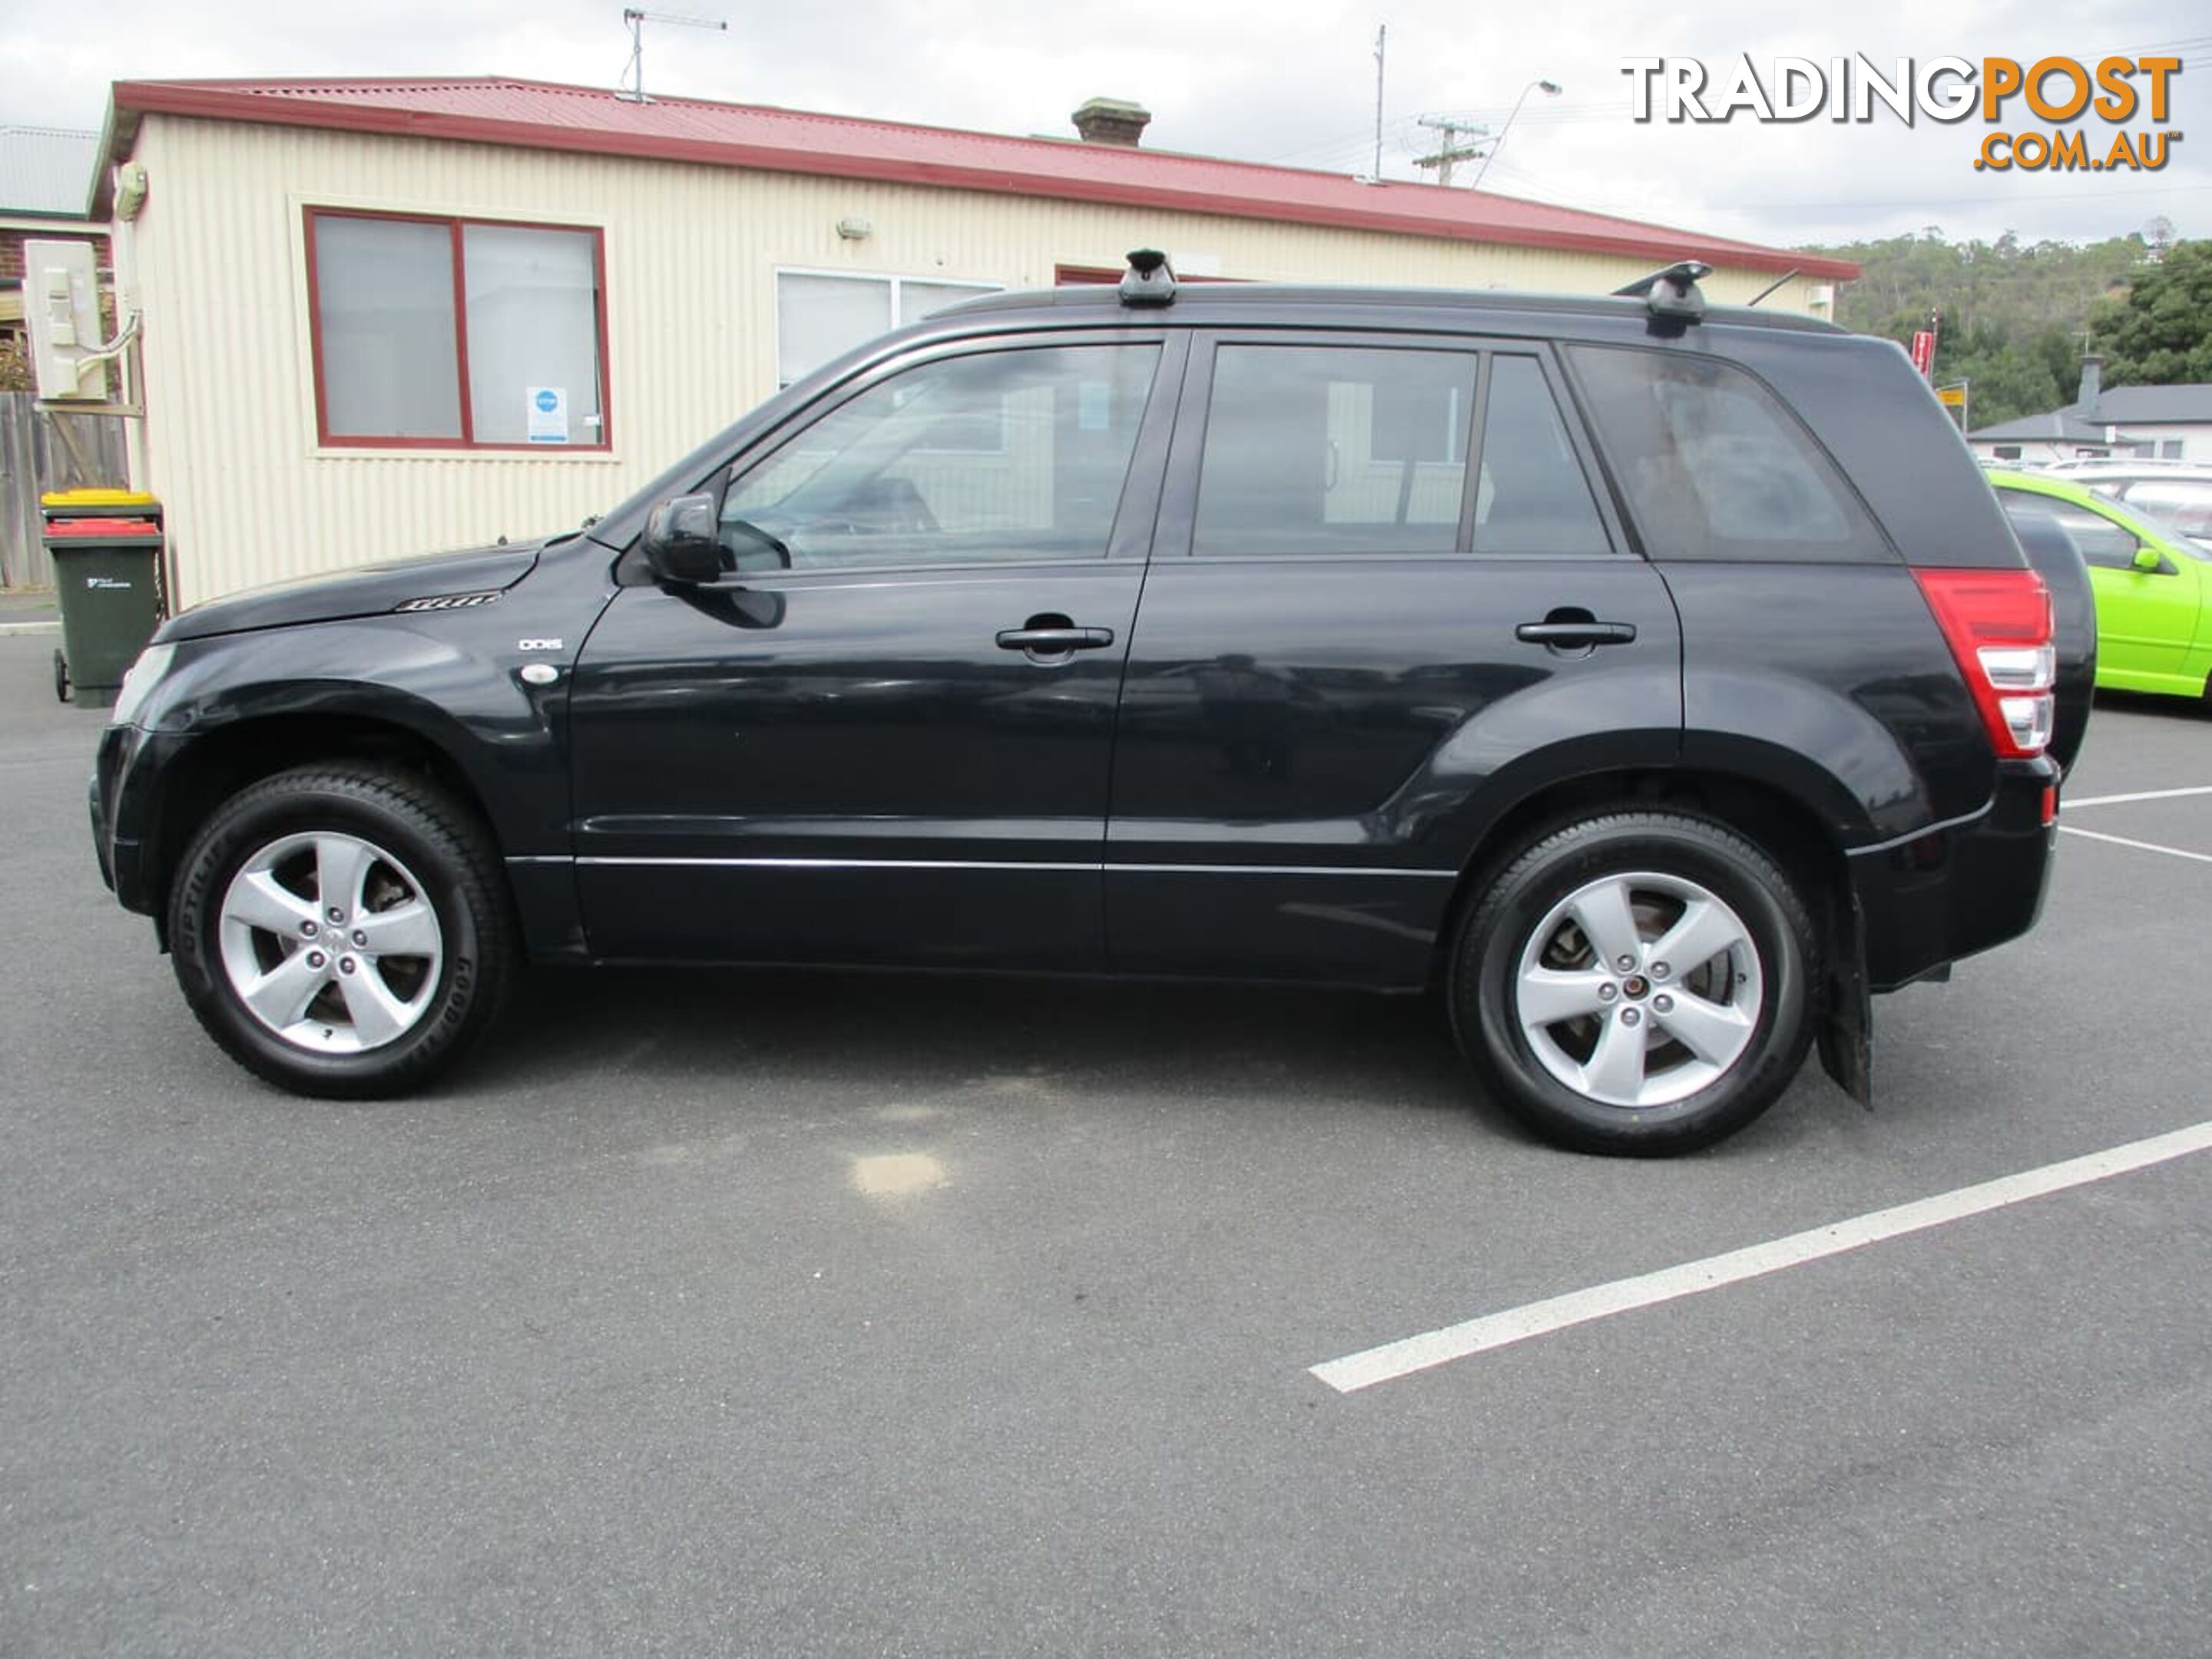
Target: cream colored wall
{"points": [[220, 259]]}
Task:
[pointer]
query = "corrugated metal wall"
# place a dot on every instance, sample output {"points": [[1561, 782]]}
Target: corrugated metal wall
{"points": [[690, 252]]}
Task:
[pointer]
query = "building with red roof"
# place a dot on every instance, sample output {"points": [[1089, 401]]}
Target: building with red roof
{"points": [[383, 313]]}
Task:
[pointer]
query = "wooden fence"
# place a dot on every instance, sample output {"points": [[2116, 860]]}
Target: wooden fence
{"points": [[40, 452]]}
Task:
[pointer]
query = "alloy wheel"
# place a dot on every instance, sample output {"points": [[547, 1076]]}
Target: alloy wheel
{"points": [[330, 942], [1638, 989]]}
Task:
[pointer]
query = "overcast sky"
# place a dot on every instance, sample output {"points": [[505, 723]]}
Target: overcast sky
{"points": [[1286, 81]]}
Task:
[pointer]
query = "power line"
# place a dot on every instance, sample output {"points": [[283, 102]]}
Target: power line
{"points": [[1546, 194]]}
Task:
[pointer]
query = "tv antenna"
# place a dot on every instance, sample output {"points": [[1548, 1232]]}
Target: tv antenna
{"points": [[633, 88]]}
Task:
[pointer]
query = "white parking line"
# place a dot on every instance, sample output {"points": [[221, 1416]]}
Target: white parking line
{"points": [[1432, 1348], [2140, 794], [2141, 846]]}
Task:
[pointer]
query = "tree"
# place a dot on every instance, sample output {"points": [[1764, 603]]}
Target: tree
{"points": [[2162, 335], [2014, 314], [2007, 377]]}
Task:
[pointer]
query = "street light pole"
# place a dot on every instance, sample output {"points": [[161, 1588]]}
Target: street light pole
{"points": [[1550, 89]]}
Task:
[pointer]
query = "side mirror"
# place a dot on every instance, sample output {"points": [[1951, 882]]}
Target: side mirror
{"points": [[2149, 561], [680, 543]]}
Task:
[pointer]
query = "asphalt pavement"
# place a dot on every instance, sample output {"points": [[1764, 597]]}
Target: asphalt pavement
{"points": [[775, 1314]]}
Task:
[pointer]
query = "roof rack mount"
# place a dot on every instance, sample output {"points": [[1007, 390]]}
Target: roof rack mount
{"points": [[1148, 281], [1671, 295]]}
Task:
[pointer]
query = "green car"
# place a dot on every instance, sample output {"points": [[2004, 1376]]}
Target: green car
{"points": [[2153, 586]]}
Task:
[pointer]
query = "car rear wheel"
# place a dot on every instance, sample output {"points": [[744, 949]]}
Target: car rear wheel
{"points": [[1635, 984], [340, 932]]}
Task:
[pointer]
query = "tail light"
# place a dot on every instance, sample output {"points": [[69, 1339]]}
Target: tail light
{"points": [[1997, 623]]}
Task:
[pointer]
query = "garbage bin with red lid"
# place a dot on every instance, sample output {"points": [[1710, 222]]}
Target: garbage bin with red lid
{"points": [[106, 545]]}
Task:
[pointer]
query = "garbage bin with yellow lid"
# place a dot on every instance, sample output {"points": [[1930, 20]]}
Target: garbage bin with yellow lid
{"points": [[106, 545]]}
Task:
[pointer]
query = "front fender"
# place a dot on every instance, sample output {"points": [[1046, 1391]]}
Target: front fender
{"points": [[503, 735]]}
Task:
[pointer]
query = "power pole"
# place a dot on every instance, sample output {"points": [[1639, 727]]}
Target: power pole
{"points": [[1382, 34], [1451, 150]]}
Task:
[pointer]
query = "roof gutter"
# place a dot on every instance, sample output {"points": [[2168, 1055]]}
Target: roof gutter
{"points": [[118, 136]]}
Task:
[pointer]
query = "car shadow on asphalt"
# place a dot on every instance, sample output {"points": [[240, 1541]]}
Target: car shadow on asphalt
{"points": [[942, 1031]]}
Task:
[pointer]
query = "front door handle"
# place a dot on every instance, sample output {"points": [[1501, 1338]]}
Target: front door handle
{"points": [[1571, 635], [1053, 642]]}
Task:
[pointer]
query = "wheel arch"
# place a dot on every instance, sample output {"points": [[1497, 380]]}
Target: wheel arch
{"points": [[1781, 824], [220, 763]]}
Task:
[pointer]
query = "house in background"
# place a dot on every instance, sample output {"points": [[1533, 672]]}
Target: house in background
{"points": [[46, 188], [2140, 422], [385, 316]]}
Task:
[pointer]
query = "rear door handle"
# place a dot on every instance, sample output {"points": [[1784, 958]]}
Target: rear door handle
{"points": [[1569, 634], [1046, 641]]}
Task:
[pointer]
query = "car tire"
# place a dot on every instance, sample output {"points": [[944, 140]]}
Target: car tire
{"points": [[1632, 1053], [342, 930]]}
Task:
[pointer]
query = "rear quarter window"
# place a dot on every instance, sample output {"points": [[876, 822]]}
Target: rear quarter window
{"points": [[1713, 466]]}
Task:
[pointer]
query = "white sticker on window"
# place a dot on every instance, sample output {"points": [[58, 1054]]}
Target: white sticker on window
{"points": [[547, 414]]}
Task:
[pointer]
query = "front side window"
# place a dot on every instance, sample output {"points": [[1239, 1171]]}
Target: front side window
{"points": [[454, 333], [2102, 542], [994, 456], [1714, 467], [1334, 449]]}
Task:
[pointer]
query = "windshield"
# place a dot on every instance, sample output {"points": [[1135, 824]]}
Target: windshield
{"points": [[2185, 503], [2157, 522]]}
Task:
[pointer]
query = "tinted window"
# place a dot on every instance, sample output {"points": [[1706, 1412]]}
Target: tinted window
{"points": [[1334, 449], [1007, 455], [1530, 494], [2101, 541], [1714, 467]]}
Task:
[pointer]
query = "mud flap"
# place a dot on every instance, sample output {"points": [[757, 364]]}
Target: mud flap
{"points": [[1846, 1038]]}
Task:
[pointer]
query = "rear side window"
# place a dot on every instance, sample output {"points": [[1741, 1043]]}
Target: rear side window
{"points": [[1714, 467], [1334, 449]]}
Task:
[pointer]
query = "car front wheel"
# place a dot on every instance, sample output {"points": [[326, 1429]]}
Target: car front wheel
{"points": [[1635, 984], [340, 930]]}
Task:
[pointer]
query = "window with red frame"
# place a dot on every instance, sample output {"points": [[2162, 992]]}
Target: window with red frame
{"points": [[457, 333]]}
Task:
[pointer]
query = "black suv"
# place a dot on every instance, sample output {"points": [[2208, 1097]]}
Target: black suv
{"points": [[1657, 682]]}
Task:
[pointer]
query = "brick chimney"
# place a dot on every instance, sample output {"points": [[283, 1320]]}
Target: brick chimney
{"points": [[1112, 121], [2092, 382]]}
